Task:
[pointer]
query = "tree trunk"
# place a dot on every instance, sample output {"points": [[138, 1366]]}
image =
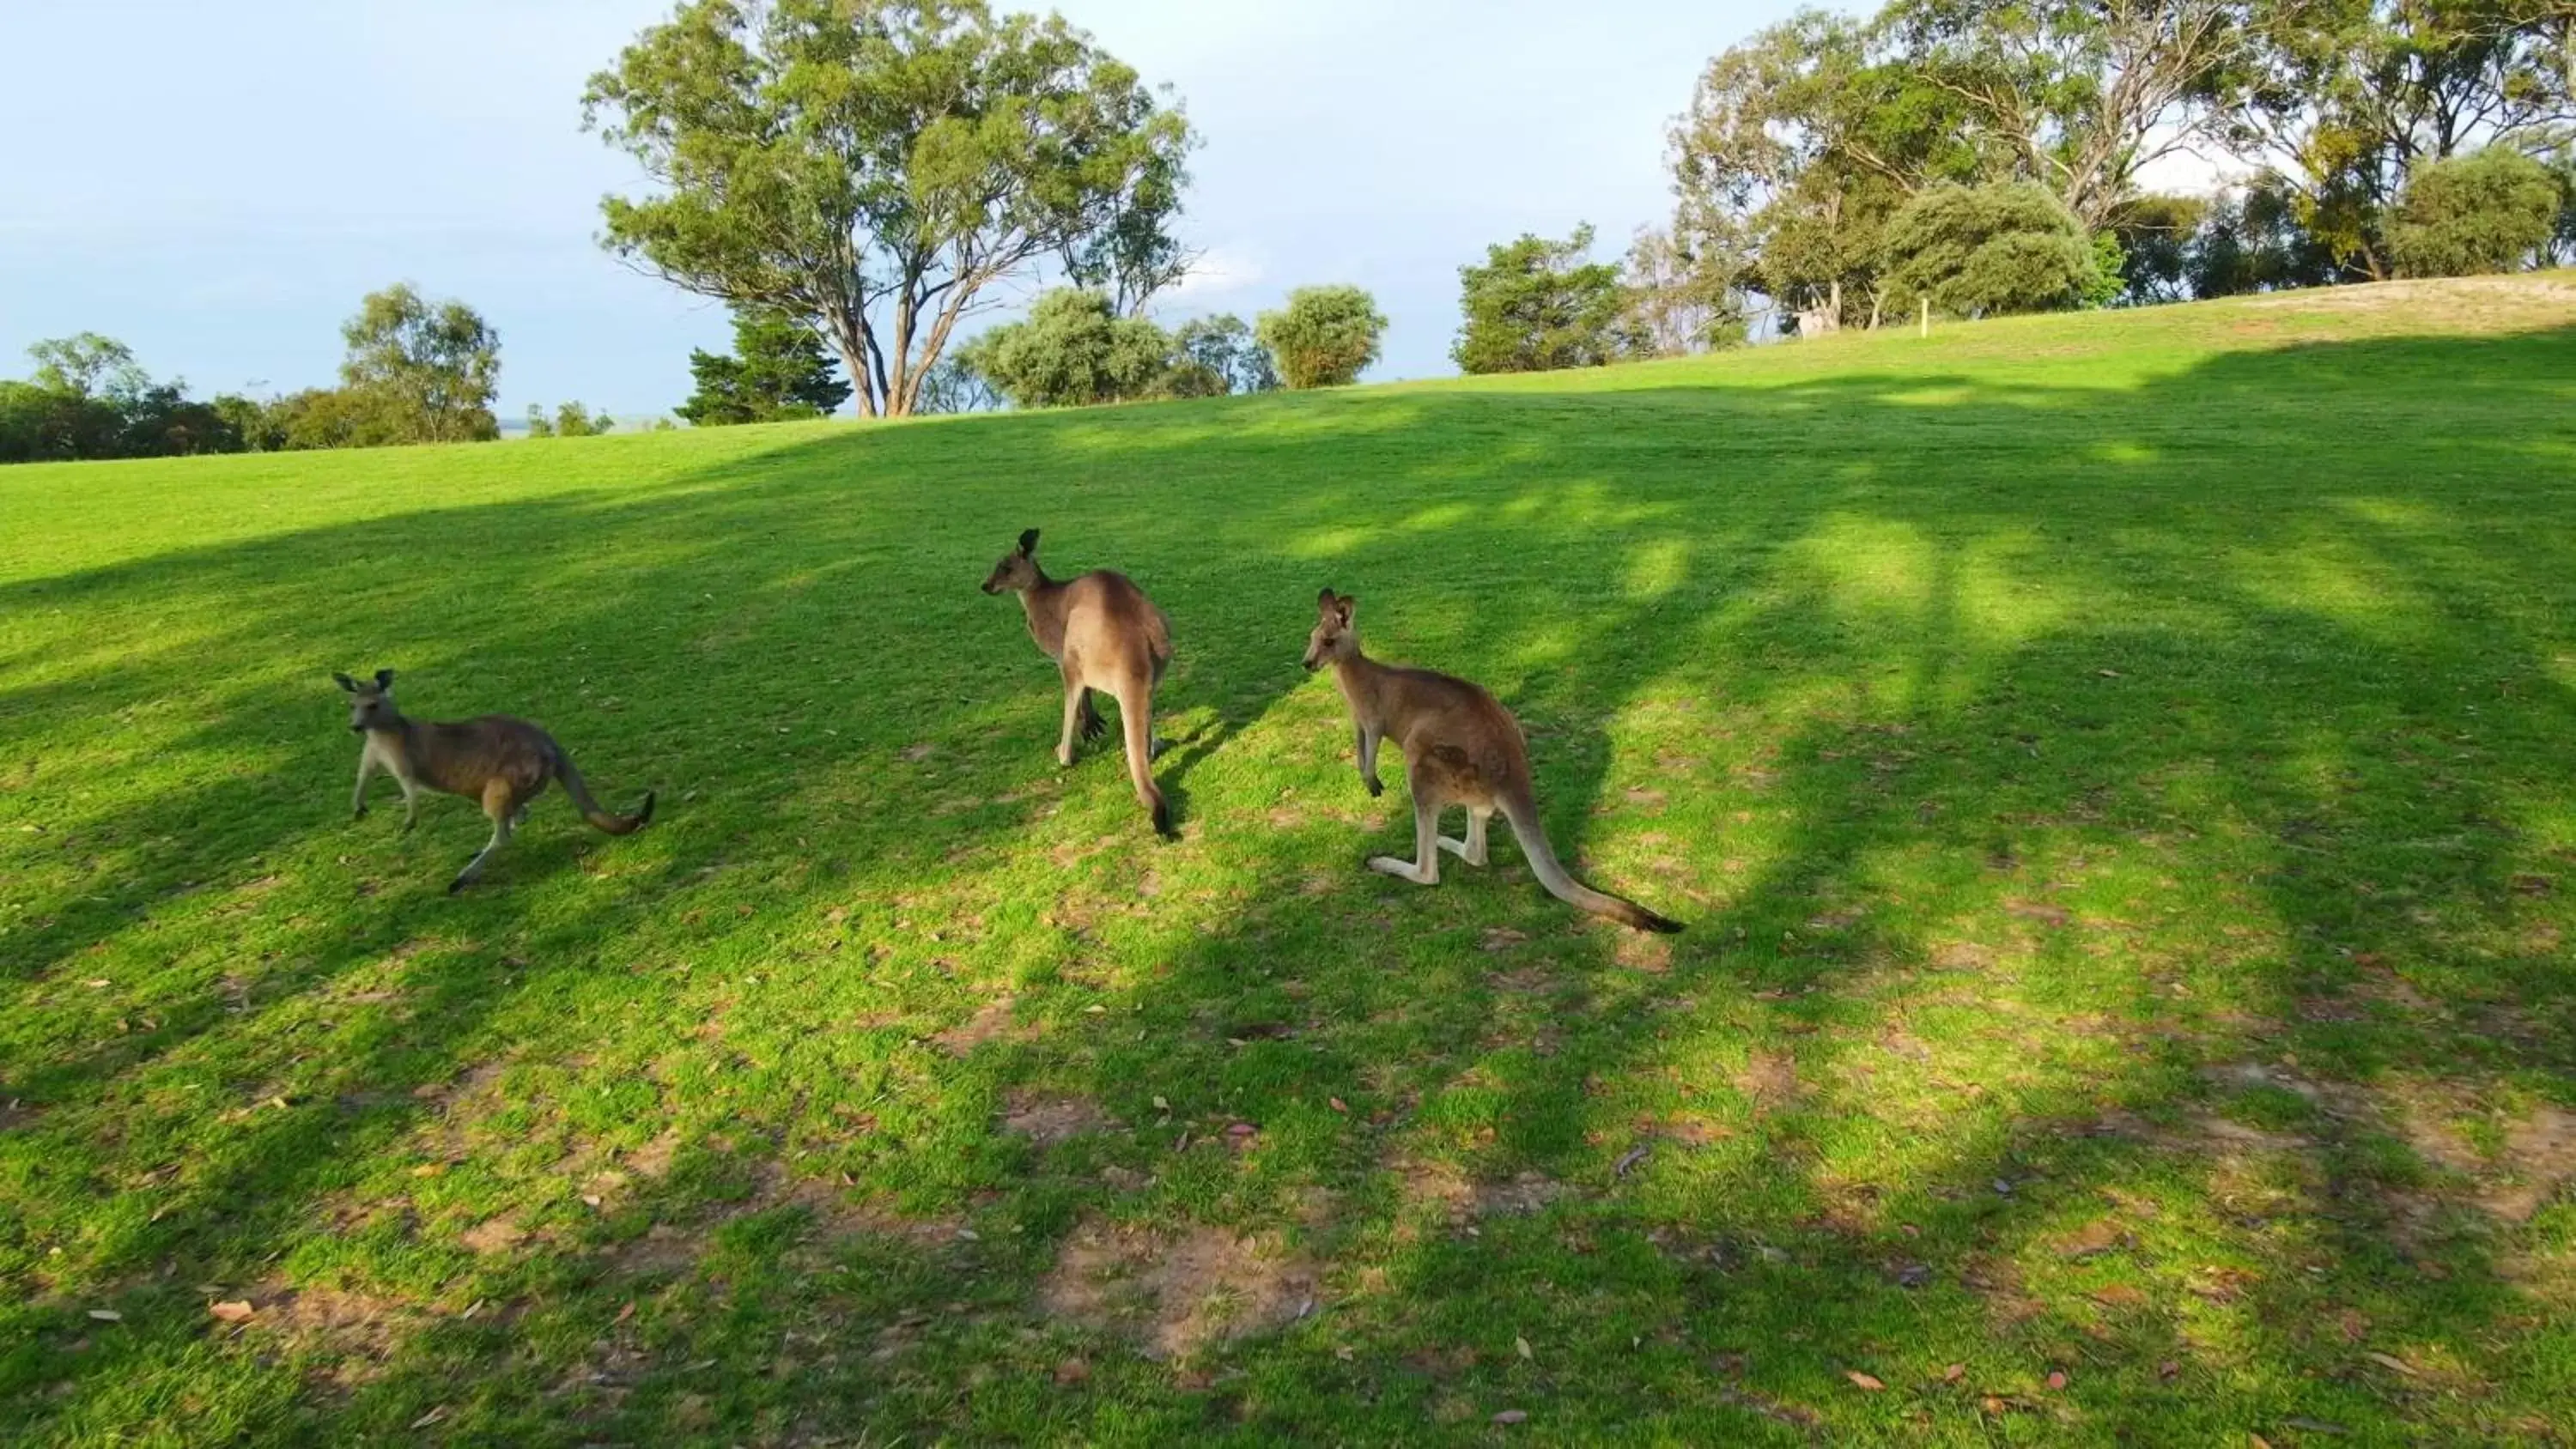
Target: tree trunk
{"points": [[851, 343]]}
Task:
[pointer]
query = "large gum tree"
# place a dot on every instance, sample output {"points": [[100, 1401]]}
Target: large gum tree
{"points": [[874, 166]]}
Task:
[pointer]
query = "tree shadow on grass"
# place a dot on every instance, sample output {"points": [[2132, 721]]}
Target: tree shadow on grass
{"points": [[2023, 816]]}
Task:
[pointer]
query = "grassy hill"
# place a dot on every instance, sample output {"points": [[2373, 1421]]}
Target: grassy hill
{"points": [[2116, 770]]}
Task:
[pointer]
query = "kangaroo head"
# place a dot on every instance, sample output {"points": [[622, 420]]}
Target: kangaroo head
{"points": [[371, 704], [1018, 570], [1334, 638]]}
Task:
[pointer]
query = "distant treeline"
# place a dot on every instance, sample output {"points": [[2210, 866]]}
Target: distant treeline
{"points": [[1986, 155], [416, 372]]}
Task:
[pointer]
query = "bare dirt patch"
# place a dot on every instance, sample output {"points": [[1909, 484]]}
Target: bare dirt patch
{"points": [[350, 1336], [1463, 1199], [1046, 1119], [1526, 1193], [1638, 951], [653, 1159], [1770, 1078], [1178, 1292], [992, 1023], [2539, 1159], [493, 1236]]}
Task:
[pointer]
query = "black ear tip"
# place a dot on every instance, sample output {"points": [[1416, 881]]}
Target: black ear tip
{"points": [[384, 677], [345, 682], [1029, 541]]}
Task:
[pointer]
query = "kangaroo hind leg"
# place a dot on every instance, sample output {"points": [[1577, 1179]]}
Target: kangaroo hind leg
{"points": [[1425, 866], [1472, 849], [501, 804]]}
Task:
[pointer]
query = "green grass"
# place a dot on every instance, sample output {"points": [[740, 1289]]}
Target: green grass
{"points": [[2116, 771]]}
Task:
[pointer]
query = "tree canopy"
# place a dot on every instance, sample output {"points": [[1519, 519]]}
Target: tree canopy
{"points": [[1802, 144], [1975, 251], [421, 372], [875, 165], [778, 369], [1537, 305]]}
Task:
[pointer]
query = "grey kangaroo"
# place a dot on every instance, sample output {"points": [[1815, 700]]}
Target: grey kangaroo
{"points": [[1105, 635], [502, 762], [1461, 747]]}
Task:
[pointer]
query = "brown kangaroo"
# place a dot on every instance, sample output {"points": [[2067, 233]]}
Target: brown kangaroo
{"points": [[500, 761], [1105, 635], [1461, 747]]}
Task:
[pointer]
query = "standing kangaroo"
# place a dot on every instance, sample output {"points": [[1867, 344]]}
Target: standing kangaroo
{"points": [[500, 761], [1103, 634], [1461, 747]]}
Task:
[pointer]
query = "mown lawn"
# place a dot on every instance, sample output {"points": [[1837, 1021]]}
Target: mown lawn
{"points": [[2119, 773]]}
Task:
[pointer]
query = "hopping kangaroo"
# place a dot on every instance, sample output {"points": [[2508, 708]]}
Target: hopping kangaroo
{"points": [[1461, 747], [500, 761], [1103, 634]]}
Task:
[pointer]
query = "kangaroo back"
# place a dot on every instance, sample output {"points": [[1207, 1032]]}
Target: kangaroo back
{"points": [[1520, 807], [590, 808]]}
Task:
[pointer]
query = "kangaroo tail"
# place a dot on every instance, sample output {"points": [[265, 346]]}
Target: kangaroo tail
{"points": [[1136, 716], [590, 810], [1523, 814]]}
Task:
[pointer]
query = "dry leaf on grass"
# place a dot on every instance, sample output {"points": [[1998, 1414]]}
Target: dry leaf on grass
{"points": [[232, 1312], [1864, 1380]]}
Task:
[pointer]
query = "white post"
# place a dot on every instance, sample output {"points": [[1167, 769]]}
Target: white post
{"points": [[1927, 316]]}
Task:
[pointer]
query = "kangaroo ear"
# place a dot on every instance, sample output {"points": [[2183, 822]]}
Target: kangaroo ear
{"points": [[1028, 543], [1324, 601], [384, 679], [1342, 608], [346, 683]]}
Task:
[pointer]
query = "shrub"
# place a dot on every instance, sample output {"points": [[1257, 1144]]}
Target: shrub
{"points": [[1073, 350], [2494, 211], [1324, 337]]}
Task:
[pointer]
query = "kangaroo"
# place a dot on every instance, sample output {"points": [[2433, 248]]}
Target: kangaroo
{"points": [[1461, 747], [1105, 635], [500, 761]]}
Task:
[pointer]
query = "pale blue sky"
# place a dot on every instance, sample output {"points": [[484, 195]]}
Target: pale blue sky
{"points": [[217, 184]]}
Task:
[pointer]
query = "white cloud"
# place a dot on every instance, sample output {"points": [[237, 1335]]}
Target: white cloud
{"points": [[1224, 270]]}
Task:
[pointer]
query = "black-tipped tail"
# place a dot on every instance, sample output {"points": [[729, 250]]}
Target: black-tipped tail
{"points": [[579, 790], [1646, 920], [1163, 821]]}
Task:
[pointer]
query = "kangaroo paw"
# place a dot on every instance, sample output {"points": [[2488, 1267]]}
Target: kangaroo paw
{"points": [[1375, 785]]}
